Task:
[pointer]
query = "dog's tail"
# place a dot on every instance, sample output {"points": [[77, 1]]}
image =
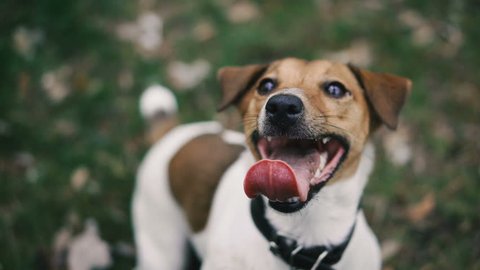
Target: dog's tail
{"points": [[159, 108]]}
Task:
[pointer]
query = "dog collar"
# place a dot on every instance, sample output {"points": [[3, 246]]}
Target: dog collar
{"points": [[291, 252]]}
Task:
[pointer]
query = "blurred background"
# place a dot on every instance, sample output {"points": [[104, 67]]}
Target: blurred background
{"points": [[71, 135]]}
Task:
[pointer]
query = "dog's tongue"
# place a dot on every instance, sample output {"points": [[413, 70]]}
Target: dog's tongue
{"points": [[277, 180]]}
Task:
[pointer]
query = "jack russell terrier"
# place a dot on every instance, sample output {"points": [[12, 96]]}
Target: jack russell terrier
{"points": [[286, 193]]}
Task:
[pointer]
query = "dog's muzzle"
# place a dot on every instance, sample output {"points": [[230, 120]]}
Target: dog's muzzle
{"points": [[296, 160], [283, 114]]}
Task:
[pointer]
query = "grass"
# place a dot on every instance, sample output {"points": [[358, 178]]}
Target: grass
{"points": [[97, 125]]}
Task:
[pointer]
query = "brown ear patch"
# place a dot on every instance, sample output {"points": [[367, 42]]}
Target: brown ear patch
{"points": [[235, 81], [194, 173], [386, 93]]}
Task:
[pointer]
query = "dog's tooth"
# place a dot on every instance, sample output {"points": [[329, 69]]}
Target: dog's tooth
{"points": [[325, 140], [293, 200], [323, 160], [269, 139], [321, 166]]}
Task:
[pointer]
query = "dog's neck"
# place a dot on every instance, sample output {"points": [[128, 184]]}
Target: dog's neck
{"points": [[330, 215]]}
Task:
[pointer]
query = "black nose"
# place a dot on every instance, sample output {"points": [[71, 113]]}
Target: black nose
{"points": [[284, 110]]}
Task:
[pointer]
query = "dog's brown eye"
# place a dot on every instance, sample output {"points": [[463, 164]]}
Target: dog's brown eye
{"points": [[335, 90], [266, 86]]}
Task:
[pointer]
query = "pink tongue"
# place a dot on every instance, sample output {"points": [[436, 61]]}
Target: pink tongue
{"points": [[276, 180]]}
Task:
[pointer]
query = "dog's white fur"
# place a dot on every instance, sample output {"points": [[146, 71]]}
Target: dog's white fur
{"points": [[160, 228], [230, 239]]}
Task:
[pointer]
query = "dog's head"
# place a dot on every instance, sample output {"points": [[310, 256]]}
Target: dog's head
{"points": [[307, 122]]}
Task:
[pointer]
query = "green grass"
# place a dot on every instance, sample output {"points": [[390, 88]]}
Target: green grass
{"points": [[98, 126]]}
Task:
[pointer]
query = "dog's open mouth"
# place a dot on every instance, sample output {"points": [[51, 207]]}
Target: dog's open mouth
{"points": [[291, 171]]}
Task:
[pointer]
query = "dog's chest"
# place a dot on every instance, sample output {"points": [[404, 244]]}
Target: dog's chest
{"points": [[231, 236]]}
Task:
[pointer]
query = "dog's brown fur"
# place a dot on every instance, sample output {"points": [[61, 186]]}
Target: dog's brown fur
{"points": [[194, 173]]}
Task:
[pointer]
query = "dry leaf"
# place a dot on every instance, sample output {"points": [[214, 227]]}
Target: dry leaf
{"points": [[79, 178], [188, 75], [390, 248], [56, 83], [420, 210], [359, 54], [397, 147], [146, 32], [26, 40], [455, 40], [204, 31], [423, 32], [242, 12]]}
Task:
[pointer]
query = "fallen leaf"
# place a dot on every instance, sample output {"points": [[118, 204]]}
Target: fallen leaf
{"points": [[454, 41], [204, 31], [25, 40], [390, 248], [420, 210], [55, 83], [188, 75], [359, 54], [397, 147], [423, 32], [79, 178], [242, 12], [150, 30], [146, 33]]}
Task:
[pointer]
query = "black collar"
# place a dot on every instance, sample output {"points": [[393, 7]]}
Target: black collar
{"points": [[292, 253]]}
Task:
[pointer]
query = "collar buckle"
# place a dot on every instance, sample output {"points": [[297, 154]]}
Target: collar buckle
{"points": [[283, 245], [274, 248], [294, 253], [319, 259]]}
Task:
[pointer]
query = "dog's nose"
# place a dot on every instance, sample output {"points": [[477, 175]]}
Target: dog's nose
{"points": [[284, 110]]}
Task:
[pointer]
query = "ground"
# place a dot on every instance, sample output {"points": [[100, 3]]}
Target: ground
{"points": [[71, 136]]}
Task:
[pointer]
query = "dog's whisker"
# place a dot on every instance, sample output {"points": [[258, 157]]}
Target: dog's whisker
{"points": [[337, 127], [322, 117]]}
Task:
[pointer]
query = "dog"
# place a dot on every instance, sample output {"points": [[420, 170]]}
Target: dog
{"points": [[285, 194]]}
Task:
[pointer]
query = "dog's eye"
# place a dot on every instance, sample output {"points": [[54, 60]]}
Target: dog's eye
{"points": [[336, 90], [266, 86]]}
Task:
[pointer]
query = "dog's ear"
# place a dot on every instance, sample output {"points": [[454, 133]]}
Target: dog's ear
{"points": [[386, 93], [235, 81]]}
